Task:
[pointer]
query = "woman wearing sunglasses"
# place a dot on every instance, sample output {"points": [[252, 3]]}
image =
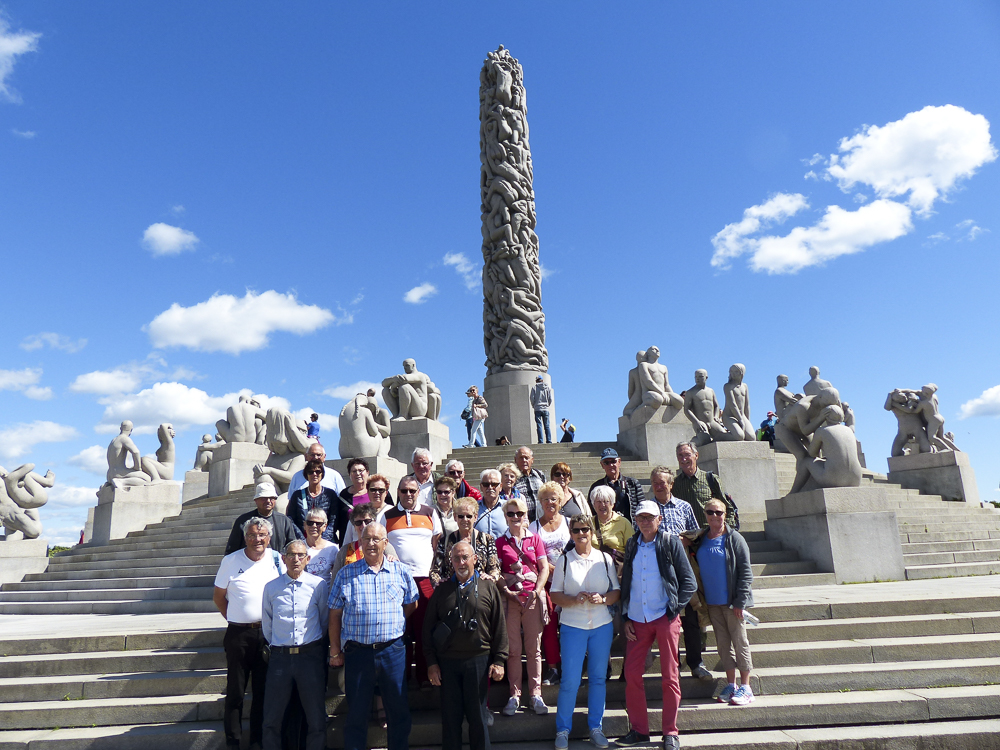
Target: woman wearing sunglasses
{"points": [[524, 570], [727, 579], [464, 511], [315, 495], [584, 584], [573, 500], [322, 552]]}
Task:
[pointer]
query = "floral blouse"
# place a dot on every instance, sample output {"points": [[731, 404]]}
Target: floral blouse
{"points": [[487, 562]]}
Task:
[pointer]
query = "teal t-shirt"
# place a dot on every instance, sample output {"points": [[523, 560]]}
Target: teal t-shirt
{"points": [[712, 561]]}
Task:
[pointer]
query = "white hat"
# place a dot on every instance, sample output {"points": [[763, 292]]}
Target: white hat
{"points": [[647, 506], [265, 489]]}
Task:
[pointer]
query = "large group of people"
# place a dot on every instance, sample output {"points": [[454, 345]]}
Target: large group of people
{"points": [[452, 585]]}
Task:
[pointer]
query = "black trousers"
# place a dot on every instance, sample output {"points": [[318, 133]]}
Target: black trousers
{"points": [[693, 643], [464, 683], [244, 663], [306, 672]]}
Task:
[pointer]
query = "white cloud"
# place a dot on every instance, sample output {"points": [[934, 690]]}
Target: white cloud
{"points": [[19, 439], [347, 392], [104, 382], [93, 459], [163, 239], [544, 272], [925, 154], [26, 134], [225, 323], [38, 393], [731, 242], [420, 294], [26, 382], [461, 263], [860, 198], [813, 160], [54, 340], [178, 209], [987, 404], [935, 238], [971, 229], [68, 496], [176, 403], [11, 46], [838, 233]]}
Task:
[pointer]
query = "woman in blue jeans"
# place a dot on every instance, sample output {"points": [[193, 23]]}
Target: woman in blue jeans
{"points": [[584, 584]]}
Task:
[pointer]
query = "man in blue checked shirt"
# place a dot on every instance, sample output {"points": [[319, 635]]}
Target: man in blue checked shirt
{"points": [[677, 516], [294, 623], [369, 602]]}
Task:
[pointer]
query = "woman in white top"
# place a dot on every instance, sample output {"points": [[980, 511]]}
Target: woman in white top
{"points": [[584, 584], [322, 553], [553, 529]]}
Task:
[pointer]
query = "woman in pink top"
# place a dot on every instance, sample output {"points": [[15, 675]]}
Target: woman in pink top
{"points": [[524, 570]]}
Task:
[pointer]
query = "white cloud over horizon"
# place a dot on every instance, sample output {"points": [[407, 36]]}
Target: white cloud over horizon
{"points": [[25, 381], [26, 134], [18, 439], [225, 323], [921, 158], [986, 404], [54, 341], [464, 267], [347, 392], [420, 294], [13, 45], [164, 239], [93, 459]]}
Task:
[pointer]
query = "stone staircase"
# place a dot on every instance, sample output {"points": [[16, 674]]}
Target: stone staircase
{"points": [[824, 672]]}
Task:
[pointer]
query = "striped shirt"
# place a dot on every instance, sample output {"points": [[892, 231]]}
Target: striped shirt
{"points": [[412, 533], [372, 602]]}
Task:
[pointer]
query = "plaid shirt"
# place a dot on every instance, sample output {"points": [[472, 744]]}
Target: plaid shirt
{"points": [[697, 491], [372, 602], [676, 516]]}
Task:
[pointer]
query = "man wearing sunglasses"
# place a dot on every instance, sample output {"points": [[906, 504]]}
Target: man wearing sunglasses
{"points": [[491, 519], [628, 491], [456, 470]]}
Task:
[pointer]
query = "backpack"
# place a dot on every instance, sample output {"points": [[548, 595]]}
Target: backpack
{"points": [[713, 484]]}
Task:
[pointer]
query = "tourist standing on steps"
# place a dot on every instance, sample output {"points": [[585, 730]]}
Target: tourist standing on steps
{"points": [[358, 474], [294, 623], [322, 553], [584, 584], [678, 517], [456, 470], [331, 479], [524, 572], [444, 498], [315, 495], [283, 531], [573, 500], [490, 518], [466, 415], [422, 462], [529, 481], [628, 491], [479, 415], [487, 562], [361, 516], [541, 402], [553, 529], [369, 603], [657, 582], [696, 485], [465, 639], [239, 595], [380, 500], [727, 579]]}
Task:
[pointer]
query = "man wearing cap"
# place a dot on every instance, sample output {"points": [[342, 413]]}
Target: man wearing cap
{"points": [[657, 583], [283, 530], [628, 491], [541, 402], [767, 428], [238, 595]]}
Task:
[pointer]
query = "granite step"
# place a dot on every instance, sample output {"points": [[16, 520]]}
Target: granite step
{"points": [[115, 563], [118, 572], [124, 606], [128, 552], [946, 558], [107, 594], [915, 572], [178, 581], [955, 546]]}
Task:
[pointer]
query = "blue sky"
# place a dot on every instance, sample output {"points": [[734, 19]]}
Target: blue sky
{"points": [[201, 198]]}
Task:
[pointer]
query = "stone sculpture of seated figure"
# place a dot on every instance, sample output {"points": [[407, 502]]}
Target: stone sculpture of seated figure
{"points": [[835, 442], [702, 408], [119, 473], [736, 414], [411, 395]]}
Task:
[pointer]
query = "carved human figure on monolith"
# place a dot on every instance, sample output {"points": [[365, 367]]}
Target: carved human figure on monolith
{"points": [[120, 449], [802, 419], [815, 383], [848, 415], [919, 420], [244, 422], [23, 493], [203, 456], [655, 382], [364, 428], [783, 397], [832, 455], [161, 468], [287, 440], [411, 395], [513, 321], [736, 414], [702, 408], [634, 386]]}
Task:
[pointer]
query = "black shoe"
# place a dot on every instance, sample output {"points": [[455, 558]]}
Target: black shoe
{"points": [[671, 742], [632, 738], [701, 673], [553, 677]]}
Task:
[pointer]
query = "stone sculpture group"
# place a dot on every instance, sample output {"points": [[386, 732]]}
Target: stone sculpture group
{"points": [[144, 469], [22, 494], [411, 394], [920, 421], [364, 427], [701, 407]]}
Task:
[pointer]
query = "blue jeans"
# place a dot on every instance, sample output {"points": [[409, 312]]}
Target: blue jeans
{"points": [[479, 433], [363, 669], [575, 644], [542, 418], [307, 671], [468, 428]]}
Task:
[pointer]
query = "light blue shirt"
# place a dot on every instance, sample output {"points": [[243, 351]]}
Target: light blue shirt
{"points": [[295, 610], [648, 598], [492, 522]]}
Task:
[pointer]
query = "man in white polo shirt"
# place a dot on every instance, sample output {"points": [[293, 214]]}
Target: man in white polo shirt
{"points": [[239, 596]]}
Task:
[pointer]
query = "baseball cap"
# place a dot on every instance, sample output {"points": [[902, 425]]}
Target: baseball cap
{"points": [[647, 506], [609, 453], [539, 379]]}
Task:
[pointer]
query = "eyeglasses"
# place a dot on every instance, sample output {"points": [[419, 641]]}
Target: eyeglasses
{"points": [[463, 516], [315, 523], [515, 514], [715, 512], [562, 474], [645, 518], [582, 530], [296, 555], [359, 470], [445, 491], [490, 484], [377, 490], [362, 522], [407, 492]]}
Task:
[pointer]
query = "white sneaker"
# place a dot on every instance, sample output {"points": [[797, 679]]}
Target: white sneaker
{"points": [[742, 697], [562, 740], [511, 708], [538, 705]]}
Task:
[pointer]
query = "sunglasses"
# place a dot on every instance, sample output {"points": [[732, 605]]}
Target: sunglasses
{"points": [[463, 516], [316, 472], [456, 473], [408, 492], [582, 530], [445, 491], [362, 522], [715, 512], [516, 514], [490, 484], [377, 490], [296, 555], [315, 523], [561, 474]]}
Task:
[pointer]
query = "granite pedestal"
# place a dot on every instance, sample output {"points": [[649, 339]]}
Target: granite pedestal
{"points": [[195, 486], [88, 529], [851, 532], [18, 557], [124, 509], [653, 434], [387, 466], [509, 397], [232, 467], [409, 434], [947, 473], [748, 471]]}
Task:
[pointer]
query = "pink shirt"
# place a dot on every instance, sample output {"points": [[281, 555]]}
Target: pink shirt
{"points": [[533, 550]]}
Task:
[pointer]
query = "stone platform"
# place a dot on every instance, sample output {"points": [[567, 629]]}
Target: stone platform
{"points": [[121, 510], [947, 473], [195, 486], [653, 434], [748, 469], [232, 467], [509, 397], [409, 434], [19, 557]]}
